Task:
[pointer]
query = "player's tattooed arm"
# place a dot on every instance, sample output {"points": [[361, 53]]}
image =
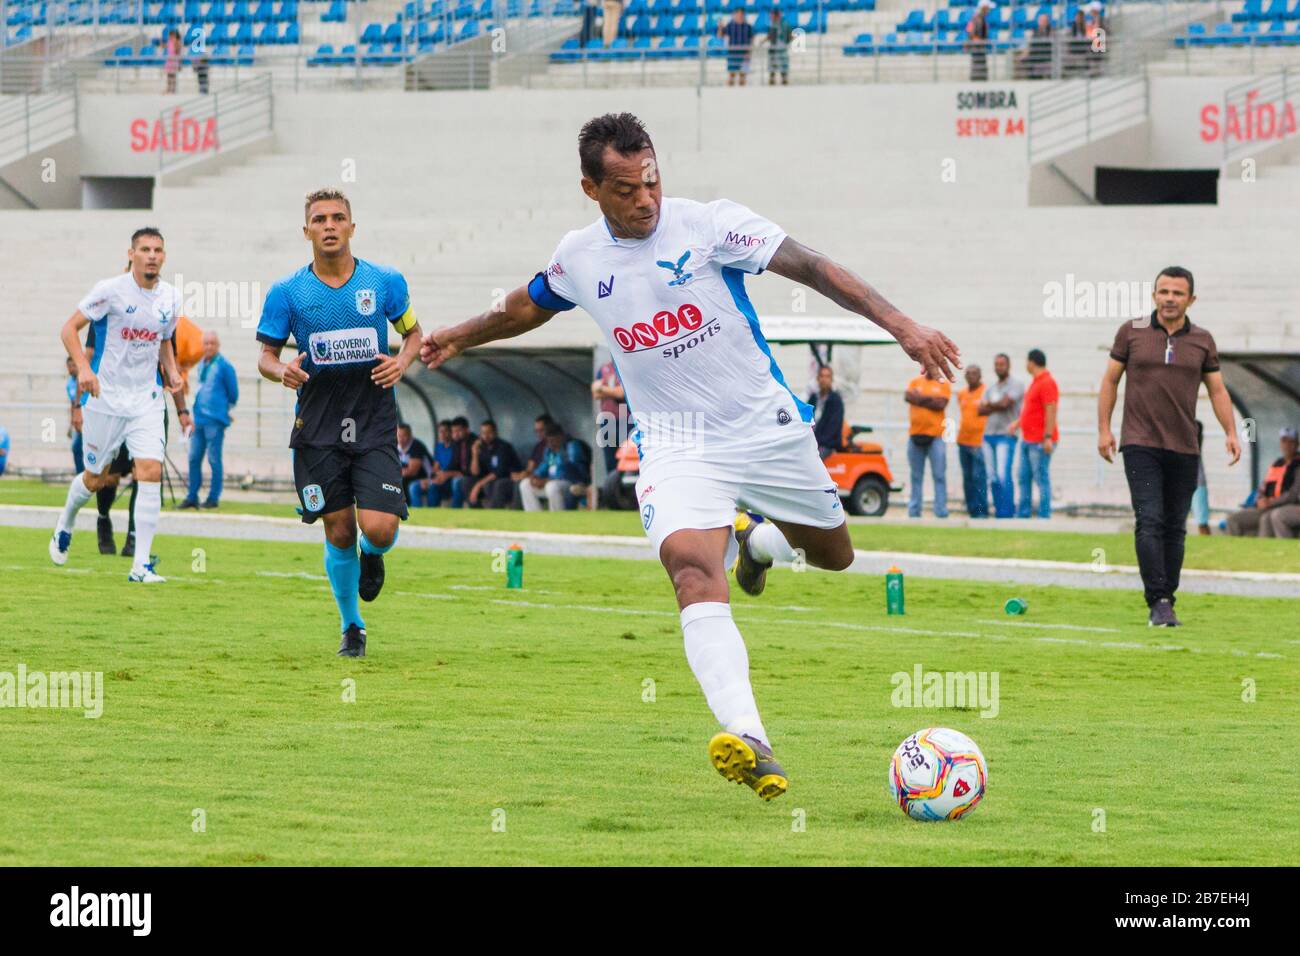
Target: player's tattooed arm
{"points": [[929, 347], [517, 315]]}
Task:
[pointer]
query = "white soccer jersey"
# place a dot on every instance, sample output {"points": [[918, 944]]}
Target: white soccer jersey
{"points": [[130, 324], [700, 379]]}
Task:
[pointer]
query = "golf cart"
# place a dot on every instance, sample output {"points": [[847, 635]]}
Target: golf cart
{"points": [[858, 468]]}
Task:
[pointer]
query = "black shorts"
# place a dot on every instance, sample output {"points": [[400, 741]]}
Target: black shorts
{"points": [[331, 479]]}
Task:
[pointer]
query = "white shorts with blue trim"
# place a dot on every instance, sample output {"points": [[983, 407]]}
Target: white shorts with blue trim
{"points": [[784, 479], [103, 434]]}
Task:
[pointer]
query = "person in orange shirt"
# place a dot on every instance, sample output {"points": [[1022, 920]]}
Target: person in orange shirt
{"points": [[928, 398], [970, 444], [1039, 435]]}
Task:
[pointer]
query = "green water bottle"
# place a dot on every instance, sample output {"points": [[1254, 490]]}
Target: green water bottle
{"points": [[514, 566], [1016, 606], [894, 591]]}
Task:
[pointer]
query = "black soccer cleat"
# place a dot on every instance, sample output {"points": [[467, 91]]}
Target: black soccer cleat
{"points": [[751, 574], [104, 527], [128, 549], [354, 642], [1162, 615], [372, 576], [748, 760]]}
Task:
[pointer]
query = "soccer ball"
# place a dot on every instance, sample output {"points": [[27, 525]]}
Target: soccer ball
{"points": [[937, 774]]}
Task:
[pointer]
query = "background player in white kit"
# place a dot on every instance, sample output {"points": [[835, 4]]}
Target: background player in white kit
{"points": [[717, 425], [135, 317]]}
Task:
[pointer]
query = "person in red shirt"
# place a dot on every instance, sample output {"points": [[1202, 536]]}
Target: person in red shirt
{"points": [[1039, 435]]}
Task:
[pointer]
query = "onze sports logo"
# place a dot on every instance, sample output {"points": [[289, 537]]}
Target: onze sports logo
{"points": [[665, 328]]}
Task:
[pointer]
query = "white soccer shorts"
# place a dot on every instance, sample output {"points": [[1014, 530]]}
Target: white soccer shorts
{"points": [[783, 479], [102, 435]]}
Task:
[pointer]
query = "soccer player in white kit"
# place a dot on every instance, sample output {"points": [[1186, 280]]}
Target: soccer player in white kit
{"points": [[717, 426], [135, 317]]}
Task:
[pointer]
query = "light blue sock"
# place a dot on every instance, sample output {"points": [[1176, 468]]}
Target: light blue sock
{"points": [[369, 548], [344, 570]]}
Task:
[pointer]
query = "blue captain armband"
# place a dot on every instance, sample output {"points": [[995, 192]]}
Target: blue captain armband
{"points": [[539, 290]]}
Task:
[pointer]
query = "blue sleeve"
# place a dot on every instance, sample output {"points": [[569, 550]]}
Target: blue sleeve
{"points": [[397, 303], [539, 290], [232, 383], [273, 329]]}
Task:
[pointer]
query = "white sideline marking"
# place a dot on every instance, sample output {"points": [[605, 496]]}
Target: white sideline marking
{"points": [[1061, 627]]}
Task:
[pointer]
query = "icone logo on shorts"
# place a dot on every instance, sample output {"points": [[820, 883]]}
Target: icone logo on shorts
{"points": [[665, 327]]}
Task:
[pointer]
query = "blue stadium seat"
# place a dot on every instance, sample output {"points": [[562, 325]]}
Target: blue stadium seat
{"points": [[1251, 11], [689, 25], [324, 55], [1294, 12], [392, 33], [268, 34], [686, 7], [1222, 35], [347, 55], [1276, 11], [243, 34], [665, 48], [915, 20], [863, 43], [663, 26], [641, 47], [1195, 33], [468, 31], [240, 12], [641, 26], [337, 12], [149, 56], [1272, 36], [569, 50], [121, 57], [290, 36], [287, 11], [218, 11], [264, 12], [690, 48], [373, 33]]}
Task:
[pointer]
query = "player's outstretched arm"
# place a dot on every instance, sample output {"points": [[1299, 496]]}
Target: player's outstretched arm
{"points": [[930, 347], [517, 315], [70, 336]]}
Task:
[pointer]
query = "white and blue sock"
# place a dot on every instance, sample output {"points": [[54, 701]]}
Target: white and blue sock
{"points": [[148, 506], [767, 543], [343, 568], [78, 495], [369, 548], [716, 652]]}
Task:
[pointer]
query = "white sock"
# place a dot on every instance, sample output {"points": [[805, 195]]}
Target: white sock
{"points": [[767, 543], [148, 505], [78, 495], [716, 652]]}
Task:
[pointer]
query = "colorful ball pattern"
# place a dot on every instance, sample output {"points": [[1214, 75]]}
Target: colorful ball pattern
{"points": [[938, 774]]}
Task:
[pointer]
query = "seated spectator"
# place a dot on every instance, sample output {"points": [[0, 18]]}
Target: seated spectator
{"points": [[449, 482], [563, 465], [413, 456], [828, 422], [442, 445], [1276, 490], [492, 462], [540, 424]]}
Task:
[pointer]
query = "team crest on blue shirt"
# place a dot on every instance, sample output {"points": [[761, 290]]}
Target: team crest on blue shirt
{"points": [[679, 277], [366, 301], [320, 349]]}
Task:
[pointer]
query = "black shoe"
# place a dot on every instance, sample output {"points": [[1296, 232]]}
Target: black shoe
{"points": [[104, 525], [372, 576], [1162, 614], [187, 504], [128, 549], [751, 574], [354, 642], [208, 505]]}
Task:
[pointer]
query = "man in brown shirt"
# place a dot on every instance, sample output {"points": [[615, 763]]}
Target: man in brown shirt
{"points": [[1166, 358]]}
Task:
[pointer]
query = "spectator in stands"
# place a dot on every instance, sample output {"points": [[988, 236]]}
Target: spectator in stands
{"points": [[201, 63], [492, 461], [1076, 58], [970, 442], [1273, 490], [779, 32], [442, 445], [977, 41], [4, 449], [613, 13], [561, 467], [74, 417], [740, 43], [1096, 33], [1282, 519], [417, 466], [218, 393], [1037, 426], [607, 389], [535, 456], [928, 398], [172, 63], [1001, 404], [589, 13], [454, 478], [1201, 497], [1037, 59], [828, 419]]}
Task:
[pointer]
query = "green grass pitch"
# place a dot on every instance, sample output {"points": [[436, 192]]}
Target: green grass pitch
{"points": [[561, 725]]}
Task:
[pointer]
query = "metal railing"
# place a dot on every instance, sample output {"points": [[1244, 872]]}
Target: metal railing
{"points": [[1254, 113], [35, 120], [1071, 114], [233, 117]]}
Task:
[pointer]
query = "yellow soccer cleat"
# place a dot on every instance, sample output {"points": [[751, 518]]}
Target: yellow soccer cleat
{"points": [[748, 760]]}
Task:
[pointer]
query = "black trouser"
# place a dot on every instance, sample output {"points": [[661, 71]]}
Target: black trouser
{"points": [[1161, 484]]}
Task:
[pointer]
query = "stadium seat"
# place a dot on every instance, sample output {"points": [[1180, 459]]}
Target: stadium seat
{"points": [[287, 12], [641, 47], [468, 31], [665, 48], [290, 36], [1251, 11], [915, 20], [243, 34], [121, 57], [717, 46], [1275, 11], [337, 13], [268, 34], [324, 55], [862, 44], [372, 33], [688, 26]]}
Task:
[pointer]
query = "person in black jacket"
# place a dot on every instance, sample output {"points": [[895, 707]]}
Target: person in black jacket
{"points": [[828, 425]]}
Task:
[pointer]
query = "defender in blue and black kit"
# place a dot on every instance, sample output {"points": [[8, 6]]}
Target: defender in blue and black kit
{"points": [[337, 311]]}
